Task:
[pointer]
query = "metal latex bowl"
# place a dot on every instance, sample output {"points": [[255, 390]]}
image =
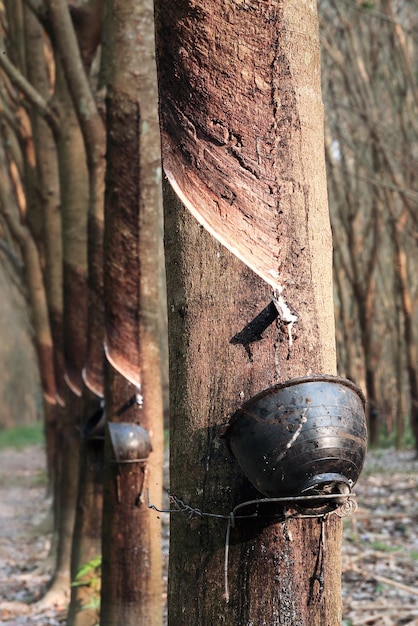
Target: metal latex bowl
{"points": [[305, 436], [131, 443]]}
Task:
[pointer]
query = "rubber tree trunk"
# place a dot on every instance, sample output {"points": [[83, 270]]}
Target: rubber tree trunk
{"points": [[94, 137], [131, 547], [74, 206], [238, 123], [131, 573], [66, 487], [49, 200], [212, 297], [74, 203], [73, 46], [84, 604], [407, 307]]}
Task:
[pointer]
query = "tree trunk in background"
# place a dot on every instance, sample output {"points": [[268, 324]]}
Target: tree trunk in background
{"points": [[93, 133], [372, 135], [66, 486], [33, 274], [249, 53], [20, 390], [406, 305], [76, 65], [131, 572], [48, 196], [88, 520], [14, 9], [131, 591], [74, 205]]}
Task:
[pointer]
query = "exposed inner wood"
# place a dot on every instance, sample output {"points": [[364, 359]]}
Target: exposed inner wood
{"points": [[241, 99]]}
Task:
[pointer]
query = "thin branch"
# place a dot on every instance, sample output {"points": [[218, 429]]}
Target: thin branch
{"points": [[11, 255], [382, 579], [38, 7], [32, 95], [85, 106], [378, 15]]}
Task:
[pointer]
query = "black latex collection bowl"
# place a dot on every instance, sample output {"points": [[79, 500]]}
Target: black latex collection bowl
{"points": [[305, 436]]}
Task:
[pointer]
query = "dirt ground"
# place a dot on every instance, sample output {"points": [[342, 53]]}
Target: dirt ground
{"points": [[380, 551], [24, 544]]}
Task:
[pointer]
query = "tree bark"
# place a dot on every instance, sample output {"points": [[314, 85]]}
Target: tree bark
{"points": [[66, 485], [93, 132], [88, 521], [74, 207], [212, 297], [406, 305], [134, 202], [131, 559], [34, 279], [48, 192], [234, 83], [131, 574]]}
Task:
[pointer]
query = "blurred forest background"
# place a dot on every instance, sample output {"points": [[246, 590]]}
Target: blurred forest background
{"points": [[370, 91]]}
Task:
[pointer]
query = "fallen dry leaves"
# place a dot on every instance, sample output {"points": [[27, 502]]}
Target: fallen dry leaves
{"points": [[380, 551], [25, 523]]}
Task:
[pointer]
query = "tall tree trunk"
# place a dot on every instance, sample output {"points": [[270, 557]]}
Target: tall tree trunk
{"points": [[405, 299], [131, 547], [74, 204], [66, 486], [49, 200], [93, 132], [76, 64], [74, 207], [131, 574], [239, 127], [212, 297], [84, 604]]}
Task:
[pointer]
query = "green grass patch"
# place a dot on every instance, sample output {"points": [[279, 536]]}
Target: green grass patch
{"points": [[384, 547], [22, 436], [388, 439]]}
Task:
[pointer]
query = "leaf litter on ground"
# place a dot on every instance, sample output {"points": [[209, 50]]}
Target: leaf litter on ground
{"points": [[25, 539], [380, 547]]}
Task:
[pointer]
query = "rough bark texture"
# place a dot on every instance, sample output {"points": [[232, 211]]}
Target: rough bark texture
{"points": [[241, 119], [131, 575], [212, 297], [122, 266], [131, 561], [242, 123], [88, 522], [134, 206]]}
